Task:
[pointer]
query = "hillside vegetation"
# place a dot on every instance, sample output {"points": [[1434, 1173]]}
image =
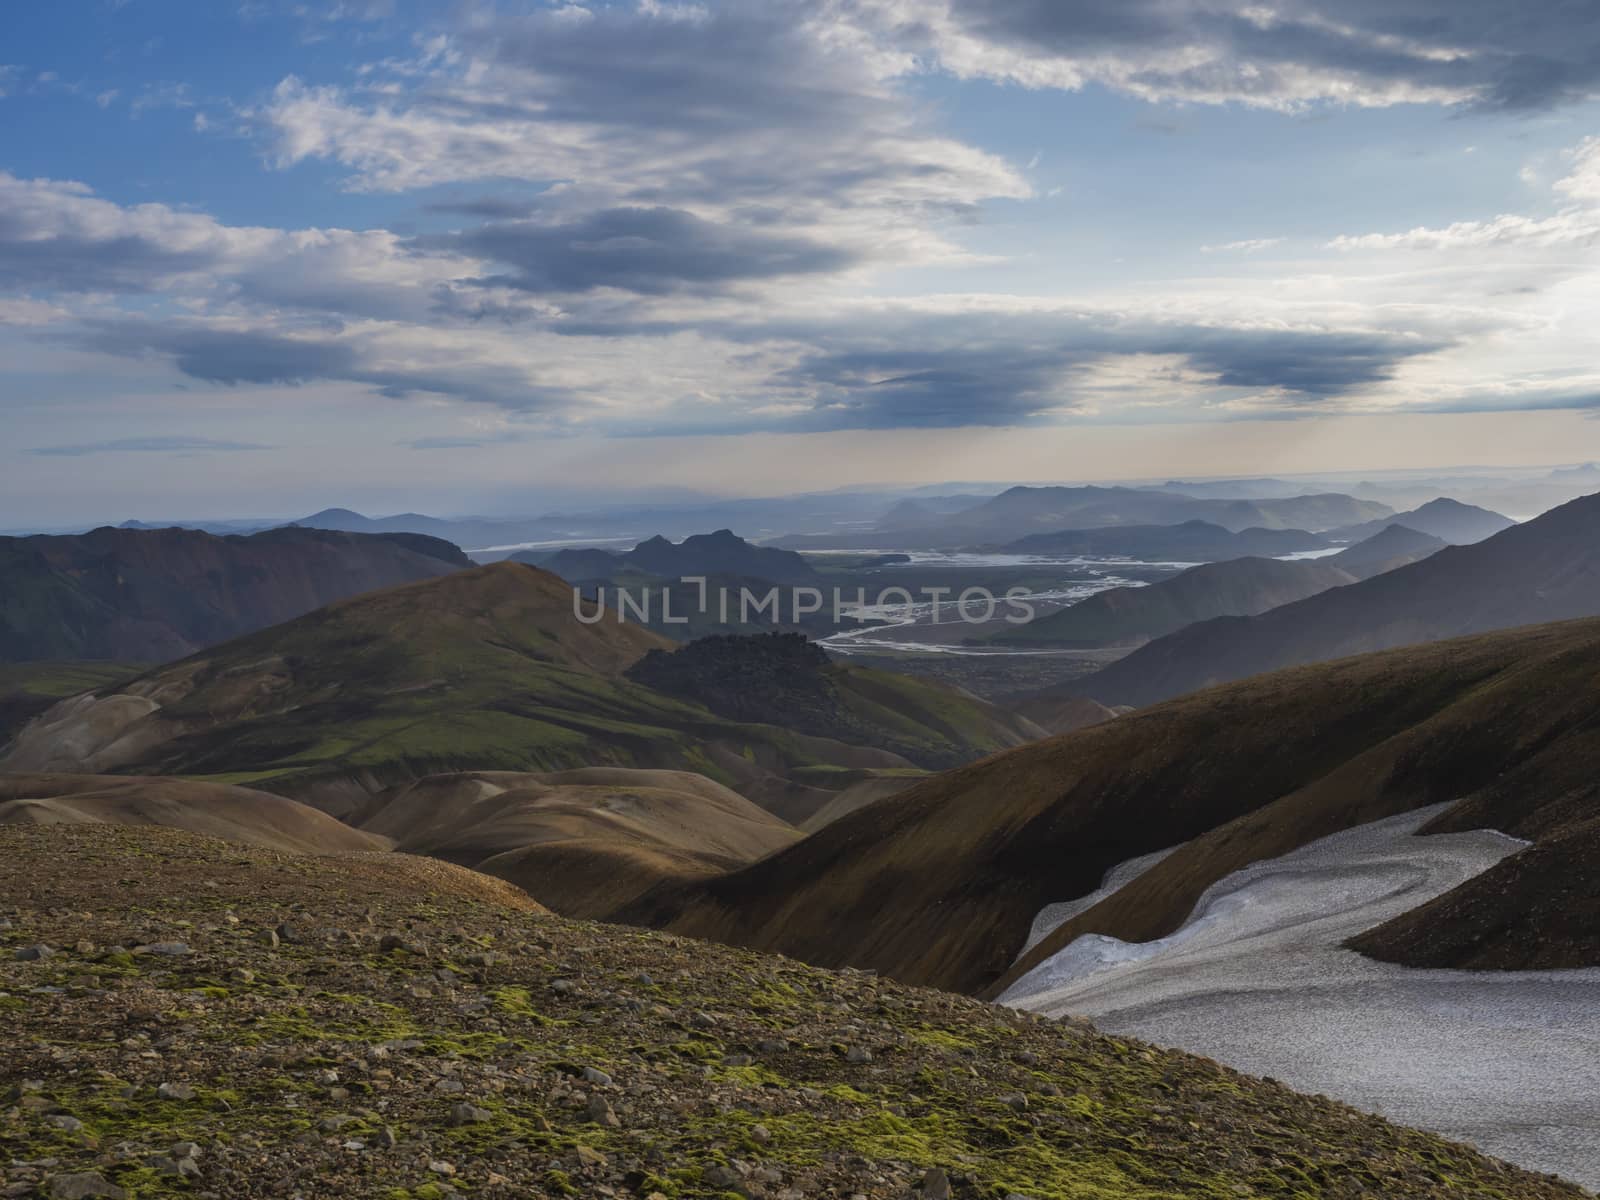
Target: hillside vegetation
{"points": [[484, 669], [391, 1027]]}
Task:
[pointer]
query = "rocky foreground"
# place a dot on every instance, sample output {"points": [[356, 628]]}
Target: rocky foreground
{"points": [[186, 1017]]}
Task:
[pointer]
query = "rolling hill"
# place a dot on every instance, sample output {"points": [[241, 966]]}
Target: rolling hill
{"points": [[1239, 587], [482, 669], [233, 813], [940, 884], [583, 841], [703, 554], [1448, 520], [157, 595], [1547, 569]]}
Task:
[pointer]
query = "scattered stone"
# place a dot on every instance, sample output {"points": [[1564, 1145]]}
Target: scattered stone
{"points": [[34, 953], [84, 1185], [175, 1091], [439, 1167], [64, 1123], [385, 1139], [594, 1075], [935, 1185], [1015, 1100], [601, 1112], [167, 949], [858, 1054], [467, 1114], [760, 1134]]}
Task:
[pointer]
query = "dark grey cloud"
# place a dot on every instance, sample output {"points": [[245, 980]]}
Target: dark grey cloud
{"points": [[233, 356], [1492, 54], [647, 250], [147, 445], [1019, 370]]}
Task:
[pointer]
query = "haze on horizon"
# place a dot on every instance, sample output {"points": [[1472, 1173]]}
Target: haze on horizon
{"points": [[262, 257]]}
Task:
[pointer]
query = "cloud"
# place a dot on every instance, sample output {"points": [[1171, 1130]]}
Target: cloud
{"points": [[1576, 225], [644, 250], [1482, 54], [1247, 246], [147, 445], [57, 236], [758, 116]]}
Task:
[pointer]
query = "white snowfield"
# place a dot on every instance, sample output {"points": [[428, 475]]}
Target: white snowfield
{"points": [[1257, 979]]}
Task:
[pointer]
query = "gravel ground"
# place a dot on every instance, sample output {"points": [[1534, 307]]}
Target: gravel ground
{"points": [[185, 1019], [1258, 979]]}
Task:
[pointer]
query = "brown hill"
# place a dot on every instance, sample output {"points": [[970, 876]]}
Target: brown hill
{"points": [[1536, 911], [940, 884], [1547, 569], [581, 841], [153, 595], [233, 813]]}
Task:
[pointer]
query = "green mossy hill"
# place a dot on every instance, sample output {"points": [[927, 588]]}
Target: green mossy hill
{"points": [[28, 689], [484, 669], [783, 679], [269, 1025]]}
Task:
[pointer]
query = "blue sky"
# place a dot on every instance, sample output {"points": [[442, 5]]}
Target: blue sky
{"points": [[265, 256]]}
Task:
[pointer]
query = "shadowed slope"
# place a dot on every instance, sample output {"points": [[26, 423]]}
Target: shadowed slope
{"points": [[940, 883], [157, 594], [1545, 570]]}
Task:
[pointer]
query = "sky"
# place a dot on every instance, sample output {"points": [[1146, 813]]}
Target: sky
{"points": [[259, 256]]}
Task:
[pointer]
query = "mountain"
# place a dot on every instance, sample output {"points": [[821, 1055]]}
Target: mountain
{"points": [[520, 1054], [1020, 511], [940, 884], [473, 533], [1193, 541], [1448, 520], [1547, 569], [579, 842], [719, 553], [1241, 587], [784, 679], [157, 595], [1130, 616], [482, 669], [1392, 547], [216, 810]]}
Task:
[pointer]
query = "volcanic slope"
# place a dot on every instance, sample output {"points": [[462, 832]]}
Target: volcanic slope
{"points": [[217, 810], [1547, 569], [940, 884], [154, 595], [422, 1033], [484, 669], [582, 841]]}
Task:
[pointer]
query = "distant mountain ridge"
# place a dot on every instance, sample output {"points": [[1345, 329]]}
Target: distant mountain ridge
{"points": [[1239, 587], [159, 594], [1446, 519], [1020, 511], [1547, 569], [1192, 541]]}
